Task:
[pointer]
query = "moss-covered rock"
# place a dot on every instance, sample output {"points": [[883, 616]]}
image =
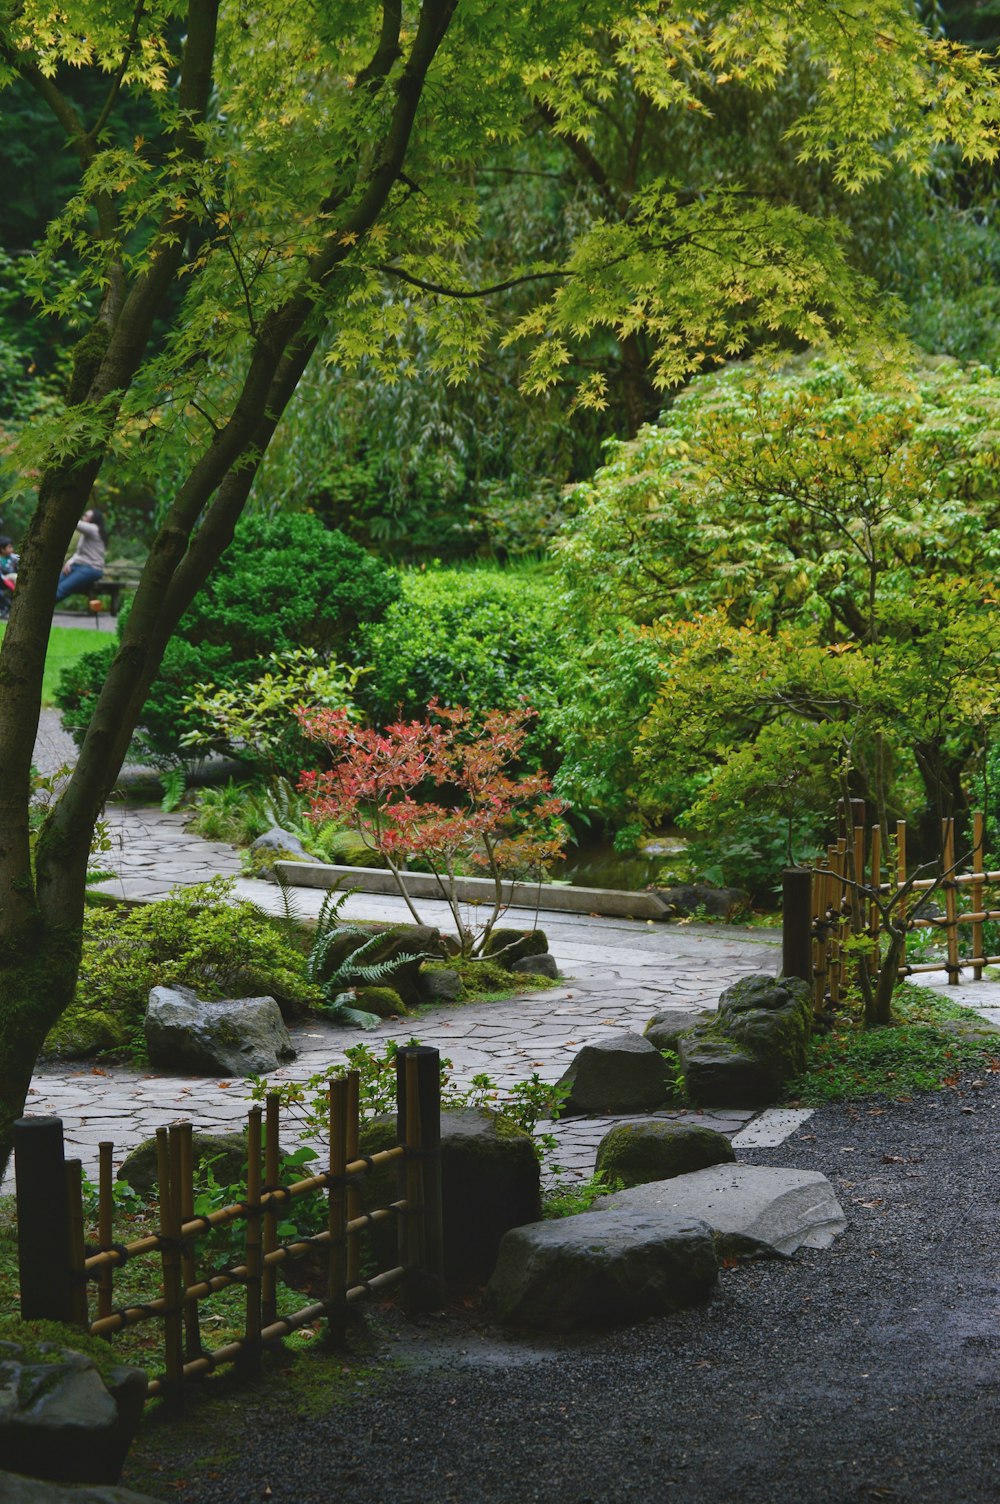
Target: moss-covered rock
{"points": [[758, 1041], [383, 1001], [224, 1153], [507, 946], [658, 1149], [82, 1032]]}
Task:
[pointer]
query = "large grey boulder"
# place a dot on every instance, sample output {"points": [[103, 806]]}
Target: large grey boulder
{"points": [[20, 1490], [754, 1211], [664, 1029], [61, 1418], [593, 1269], [623, 1073], [490, 1182], [235, 1037], [758, 1041], [658, 1149]]}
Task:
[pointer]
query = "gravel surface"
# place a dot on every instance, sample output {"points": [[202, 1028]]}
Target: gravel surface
{"points": [[866, 1372]]}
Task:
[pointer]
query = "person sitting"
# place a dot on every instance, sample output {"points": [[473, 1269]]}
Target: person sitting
{"points": [[84, 568], [8, 573]]}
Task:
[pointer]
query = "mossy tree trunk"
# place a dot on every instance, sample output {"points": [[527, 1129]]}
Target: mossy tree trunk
{"points": [[42, 892]]}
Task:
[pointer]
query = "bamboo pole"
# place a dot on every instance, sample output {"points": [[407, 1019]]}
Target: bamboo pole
{"points": [[353, 1206], [821, 962], [875, 918], [950, 898], [189, 1268], [77, 1246], [978, 863], [337, 1214], [253, 1239], [105, 1225], [269, 1280], [170, 1233]]}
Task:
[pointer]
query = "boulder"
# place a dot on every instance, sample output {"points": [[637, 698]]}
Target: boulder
{"points": [[384, 1002], [62, 1417], [754, 1211], [594, 1269], [235, 1037], [224, 1153], [758, 1041], [623, 1073], [394, 942], [508, 946], [691, 898], [665, 1029], [718, 1073], [281, 843], [490, 1182], [19, 1490], [542, 965], [657, 1149], [440, 984]]}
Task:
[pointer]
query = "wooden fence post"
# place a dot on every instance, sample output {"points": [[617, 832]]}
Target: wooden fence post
{"points": [[43, 1230], [425, 1285], [796, 923]]}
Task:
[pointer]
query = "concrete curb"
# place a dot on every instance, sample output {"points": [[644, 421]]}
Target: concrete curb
{"points": [[548, 897]]}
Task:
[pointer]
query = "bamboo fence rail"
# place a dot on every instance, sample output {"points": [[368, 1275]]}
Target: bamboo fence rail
{"points": [[835, 902], [57, 1271]]}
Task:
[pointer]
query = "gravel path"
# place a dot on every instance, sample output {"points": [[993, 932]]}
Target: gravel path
{"points": [[865, 1372]]}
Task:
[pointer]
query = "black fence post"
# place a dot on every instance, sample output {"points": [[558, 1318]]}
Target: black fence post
{"points": [[426, 1287], [796, 923], [43, 1230]]}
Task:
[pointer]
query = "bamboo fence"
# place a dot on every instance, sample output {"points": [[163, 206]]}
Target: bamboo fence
{"points": [[836, 899], [64, 1280]]}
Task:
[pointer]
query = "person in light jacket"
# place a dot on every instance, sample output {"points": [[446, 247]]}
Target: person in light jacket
{"points": [[84, 568]]}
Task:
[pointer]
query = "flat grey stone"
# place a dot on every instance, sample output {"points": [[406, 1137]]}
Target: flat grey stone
{"points": [[754, 1211]]}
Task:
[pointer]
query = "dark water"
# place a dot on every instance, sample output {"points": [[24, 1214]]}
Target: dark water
{"points": [[597, 864]]}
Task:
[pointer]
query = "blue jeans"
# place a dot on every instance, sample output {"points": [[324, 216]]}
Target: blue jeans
{"points": [[78, 581]]}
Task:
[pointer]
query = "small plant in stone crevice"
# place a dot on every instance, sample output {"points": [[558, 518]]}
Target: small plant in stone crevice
{"points": [[566, 1199], [675, 1075]]}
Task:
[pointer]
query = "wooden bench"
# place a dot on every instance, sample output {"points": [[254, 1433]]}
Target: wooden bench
{"points": [[114, 587]]}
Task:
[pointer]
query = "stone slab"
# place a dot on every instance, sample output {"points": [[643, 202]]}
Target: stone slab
{"points": [[610, 901], [754, 1211], [772, 1127]]}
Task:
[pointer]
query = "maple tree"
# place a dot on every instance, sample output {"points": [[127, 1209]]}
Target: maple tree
{"points": [[498, 820], [307, 189]]}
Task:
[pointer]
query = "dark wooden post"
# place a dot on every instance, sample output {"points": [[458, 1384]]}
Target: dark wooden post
{"points": [[796, 923], [43, 1230], [426, 1287]]}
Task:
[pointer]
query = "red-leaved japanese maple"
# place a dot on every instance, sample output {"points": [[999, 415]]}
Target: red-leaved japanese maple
{"points": [[443, 789]]}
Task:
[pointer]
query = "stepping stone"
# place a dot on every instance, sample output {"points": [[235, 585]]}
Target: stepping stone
{"points": [[754, 1211], [597, 1269]]}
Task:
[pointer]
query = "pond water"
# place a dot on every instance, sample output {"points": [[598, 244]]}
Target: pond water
{"points": [[596, 864]]}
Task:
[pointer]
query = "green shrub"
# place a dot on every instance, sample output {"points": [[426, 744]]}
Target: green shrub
{"points": [[199, 937], [281, 585], [484, 638]]}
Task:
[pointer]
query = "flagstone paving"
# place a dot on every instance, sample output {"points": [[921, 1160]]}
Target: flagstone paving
{"points": [[616, 974]]}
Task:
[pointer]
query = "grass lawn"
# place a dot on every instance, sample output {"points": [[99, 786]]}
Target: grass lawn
{"points": [[66, 644]]}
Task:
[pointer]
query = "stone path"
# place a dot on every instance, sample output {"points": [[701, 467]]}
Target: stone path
{"points": [[617, 974]]}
